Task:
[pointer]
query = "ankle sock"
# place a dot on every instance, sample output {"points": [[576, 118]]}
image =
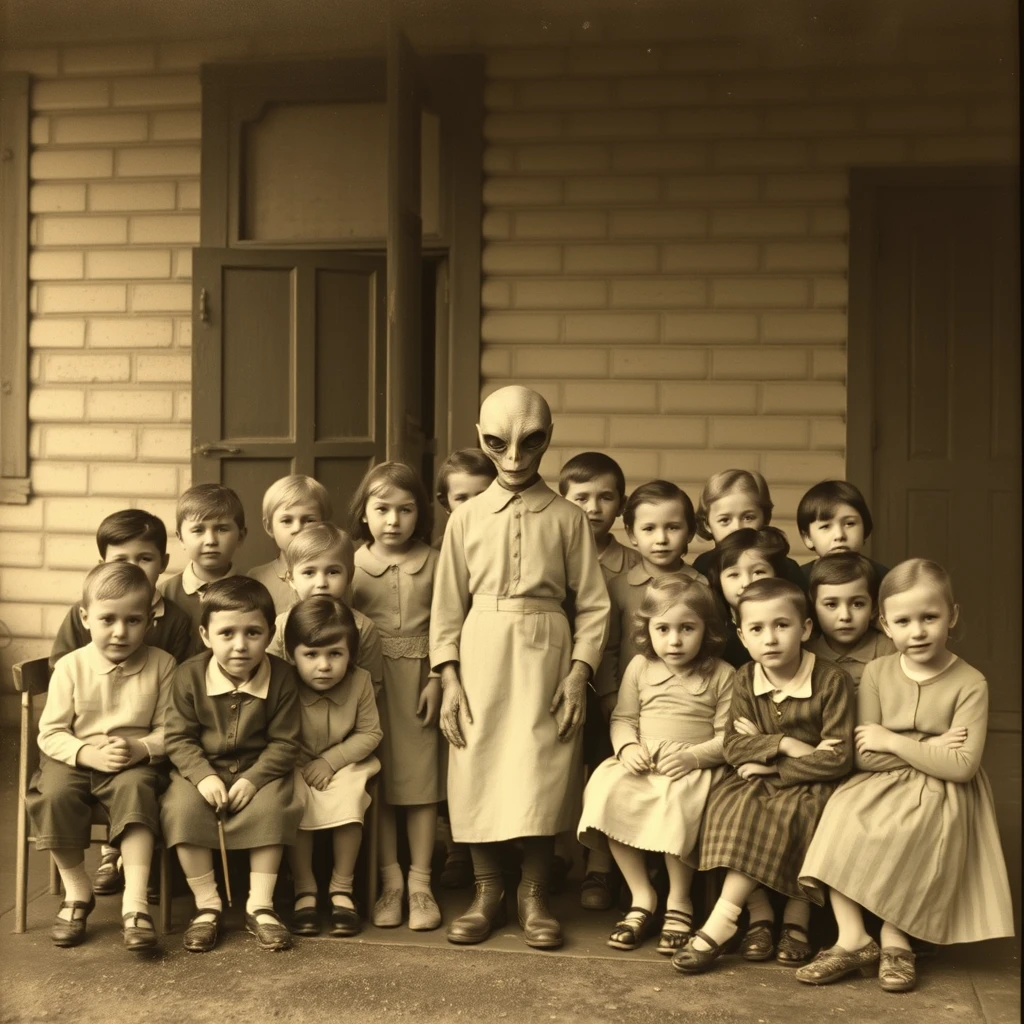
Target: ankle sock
{"points": [[721, 925], [261, 891], [77, 887], [136, 882], [342, 884], [797, 912], [760, 906], [391, 877], [419, 880], [204, 890]]}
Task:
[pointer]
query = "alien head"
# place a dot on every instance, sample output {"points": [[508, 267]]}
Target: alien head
{"points": [[515, 431]]}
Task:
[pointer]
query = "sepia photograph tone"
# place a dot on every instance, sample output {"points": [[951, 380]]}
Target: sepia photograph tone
{"points": [[510, 511]]}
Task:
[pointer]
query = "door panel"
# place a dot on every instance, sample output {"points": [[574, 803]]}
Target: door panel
{"points": [[288, 373]]}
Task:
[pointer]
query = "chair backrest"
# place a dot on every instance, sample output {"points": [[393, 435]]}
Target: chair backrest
{"points": [[31, 678]]}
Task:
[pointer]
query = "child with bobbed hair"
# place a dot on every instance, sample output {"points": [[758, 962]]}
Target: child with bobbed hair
{"points": [[289, 506], [340, 731], [833, 517], [463, 475], [844, 597]]}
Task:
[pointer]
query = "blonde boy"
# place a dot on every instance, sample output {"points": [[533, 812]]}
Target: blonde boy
{"points": [[321, 560], [100, 741], [210, 524], [289, 506]]}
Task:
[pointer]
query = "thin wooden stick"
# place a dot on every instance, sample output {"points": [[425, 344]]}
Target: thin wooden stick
{"points": [[224, 855]]}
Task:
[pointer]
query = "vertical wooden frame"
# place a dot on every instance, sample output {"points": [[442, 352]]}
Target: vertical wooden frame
{"points": [[14, 185]]}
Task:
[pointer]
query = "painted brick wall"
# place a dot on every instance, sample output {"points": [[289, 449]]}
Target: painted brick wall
{"points": [[666, 240], [114, 208]]}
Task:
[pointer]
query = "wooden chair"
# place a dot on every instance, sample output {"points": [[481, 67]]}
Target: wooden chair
{"points": [[32, 678]]}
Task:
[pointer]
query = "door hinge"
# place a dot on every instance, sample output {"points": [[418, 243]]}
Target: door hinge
{"points": [[204, 309]]}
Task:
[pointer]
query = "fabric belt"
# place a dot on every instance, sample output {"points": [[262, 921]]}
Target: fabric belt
{"points": [[491, 603]]}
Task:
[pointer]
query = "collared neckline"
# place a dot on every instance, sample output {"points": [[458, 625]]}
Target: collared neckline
{"points": [[336, 694], [613, 558], [798, 687], [159, 606], [536, 497], [369, 561], [217, 683], [638, 575], [132, 665], [863, 651], [192, 584]]}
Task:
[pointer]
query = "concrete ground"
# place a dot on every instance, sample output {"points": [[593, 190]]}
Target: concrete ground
{"points": [[400, 975]]}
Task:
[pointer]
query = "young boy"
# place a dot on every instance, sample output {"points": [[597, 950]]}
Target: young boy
{"points": [[321, 560], [844, 592], [140, 538], [289, 506], [210, 525], [232, 734], [595, 482], [100, 741], [833, 516]]}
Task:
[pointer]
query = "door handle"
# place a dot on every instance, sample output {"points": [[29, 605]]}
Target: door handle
{"points": [[215, 449]]}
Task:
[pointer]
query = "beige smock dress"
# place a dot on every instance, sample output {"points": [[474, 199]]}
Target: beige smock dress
{"points": [[912, 836], [397, 599], [667, 713], [341, 726], [507, 562]]}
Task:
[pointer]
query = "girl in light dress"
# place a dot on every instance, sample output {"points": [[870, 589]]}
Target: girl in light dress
{"points": [[667, 730], [393, 585], [340, 731], [912, 836]]}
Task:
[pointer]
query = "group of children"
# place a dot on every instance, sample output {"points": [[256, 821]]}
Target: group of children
{"points": [[802, 727]]}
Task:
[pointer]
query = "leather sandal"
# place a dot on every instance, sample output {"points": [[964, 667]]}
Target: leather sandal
{"points": [[305, 920], [272, 934], [836, 962], [675, 931], [345, 921], [597, 890], [109, 876], [201, 936], [792, 950], [758, 942], [630, 932], [136, 938], [71, 932], [690, 960], [896, 970]]}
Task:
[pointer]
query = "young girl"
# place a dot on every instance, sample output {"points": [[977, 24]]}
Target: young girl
{"points": [[736, 499], [659, 521], [745, 555], [393, 584], [790, 739], [340, 732], [232, 734], [844, 595], [667, 731], [912, 836]]}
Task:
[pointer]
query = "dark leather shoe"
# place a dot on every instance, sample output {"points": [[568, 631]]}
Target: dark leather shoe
{"points": [[109, 877], [540, 929], [72, 933], [482, 916], [345, 921], [201, 936], [270, 931], [307, 920], [136, 938]]}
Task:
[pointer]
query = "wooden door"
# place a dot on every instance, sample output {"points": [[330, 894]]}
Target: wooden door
{"points": [[288, 370], [947, 457]]}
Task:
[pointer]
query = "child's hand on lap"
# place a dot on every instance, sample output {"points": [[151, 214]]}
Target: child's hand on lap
{"points": [[872, 738], [132, 750], [635, 757], [954, 739], [677, 764], [107, 758], [213, 791], [240, 793], [751, 770], [430, 702], [318, 773]]}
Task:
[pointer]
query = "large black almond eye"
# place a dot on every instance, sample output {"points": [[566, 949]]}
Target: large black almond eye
{"points": [[495, 444], [535, 440]]}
